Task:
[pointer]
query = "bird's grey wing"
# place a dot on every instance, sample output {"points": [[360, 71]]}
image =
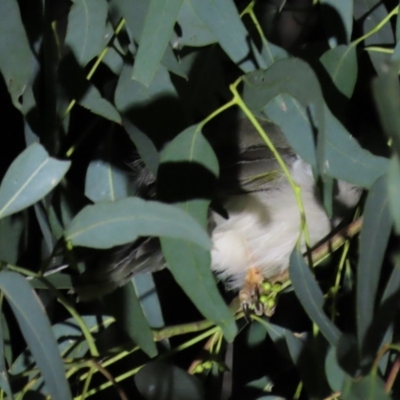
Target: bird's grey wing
{"points": [[114, 268]]}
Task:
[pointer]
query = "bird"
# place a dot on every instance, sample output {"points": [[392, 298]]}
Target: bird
{"points": [[254, 236]]}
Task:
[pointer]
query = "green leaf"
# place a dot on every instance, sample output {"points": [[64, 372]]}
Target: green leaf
{"points": [[194, 32], [135, 13], [36, 329], [386, 90], [157, 30], [94, 102], [346, 159], [394, 190], [105, 181], [104, 225], [161, 381], [86, 29], [11, 237], [260, 87], [16, 57], [187, 262], [145, 147], [375, 232], [369, 388], [368, 14], [30, 177], [222, 19], [311, 297], [129, 93], [342, 27], [124, 304], [271, 53], [150, 301], [341, 65], [292, 119], [334, 373], [4, 379]]}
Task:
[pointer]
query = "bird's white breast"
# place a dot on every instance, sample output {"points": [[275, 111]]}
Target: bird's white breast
{"points": [[263, 227]]}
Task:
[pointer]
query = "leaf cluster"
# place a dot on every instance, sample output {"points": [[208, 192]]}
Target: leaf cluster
{"points": [[90, 86]]}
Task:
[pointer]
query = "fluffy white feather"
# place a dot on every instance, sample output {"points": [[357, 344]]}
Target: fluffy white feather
{"points": [[263, 227]]}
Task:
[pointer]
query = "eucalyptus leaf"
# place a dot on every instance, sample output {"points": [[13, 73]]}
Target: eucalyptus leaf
{"points": [[394, 190], [368, 388], [94, 102], [338, 17], [157, 30], [105, 181], [222, 19], [31, 176], [4, 379], [160, 381], [104, 225], [86, 29], [187, 262], [194, 31], [341, 65], [311, 297], [16, 56], [375, 232], [37, 332], [124, 305], [386, 90]]}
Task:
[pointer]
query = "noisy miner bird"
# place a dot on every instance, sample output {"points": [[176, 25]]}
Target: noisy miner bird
{"points": [[253, 242]]}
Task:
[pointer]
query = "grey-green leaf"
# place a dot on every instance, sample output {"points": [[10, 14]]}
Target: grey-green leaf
{"points": [[194, 31], [311, 297], [105, 181], [157, 30], [370, 387], [94, 102], [86, 29], [341, 65], [222, 19], [124, 304], [145, 147], [16, 58], [342, 27], [161, 381], [394, 190], [375, 232], [4, 379], [346, 159], [386, 90], [35, 327], [30, 177], [190, 263], [292, 119], [104, 225]]}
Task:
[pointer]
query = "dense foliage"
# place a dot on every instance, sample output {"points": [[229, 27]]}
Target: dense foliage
{"points": [[87, 87]]}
